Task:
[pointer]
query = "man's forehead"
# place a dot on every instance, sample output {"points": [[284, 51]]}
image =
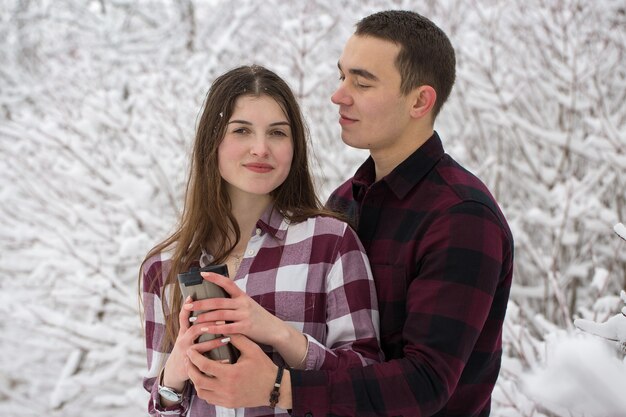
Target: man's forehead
{"points": [[367, 54]]}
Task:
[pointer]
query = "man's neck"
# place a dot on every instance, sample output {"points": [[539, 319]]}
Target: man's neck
{"points": [[387, 159]]}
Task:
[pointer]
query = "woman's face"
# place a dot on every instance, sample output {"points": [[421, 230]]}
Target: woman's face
{"points": [[256, 153]]}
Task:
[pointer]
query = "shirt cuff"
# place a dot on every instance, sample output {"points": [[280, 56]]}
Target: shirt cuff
{"points": [[310, 393], [316, 353], [157, 409]]}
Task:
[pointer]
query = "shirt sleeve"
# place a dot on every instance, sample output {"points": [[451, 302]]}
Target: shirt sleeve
{"points": [[462, 259], [352, 337], [153, 276]]}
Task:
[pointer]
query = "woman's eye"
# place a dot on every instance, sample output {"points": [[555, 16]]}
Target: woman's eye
{"points": [[241, 131], [278, 133]]}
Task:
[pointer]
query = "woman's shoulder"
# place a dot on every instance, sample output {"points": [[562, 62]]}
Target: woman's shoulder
{"points": [[156, 267], [322, 224]]}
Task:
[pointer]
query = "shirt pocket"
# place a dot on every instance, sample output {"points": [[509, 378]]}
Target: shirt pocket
{"points": [[296, 308]]}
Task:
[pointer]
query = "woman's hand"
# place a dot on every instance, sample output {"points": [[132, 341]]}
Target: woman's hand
{"points": [[241, 314], [175, 374], [238, 314]]}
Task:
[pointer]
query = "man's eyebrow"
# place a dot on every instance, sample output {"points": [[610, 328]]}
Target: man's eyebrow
{"points": [[360, 72]]}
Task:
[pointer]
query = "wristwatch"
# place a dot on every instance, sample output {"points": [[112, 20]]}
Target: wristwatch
{"points": [[168, 393]]}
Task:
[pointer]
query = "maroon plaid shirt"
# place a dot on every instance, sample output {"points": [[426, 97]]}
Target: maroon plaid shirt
{"points": [[442, 258], [313, 275]]}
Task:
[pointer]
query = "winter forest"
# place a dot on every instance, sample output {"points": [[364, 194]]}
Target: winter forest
{"points": [[98, 105]]}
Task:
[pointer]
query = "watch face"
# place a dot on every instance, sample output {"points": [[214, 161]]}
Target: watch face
{"points": [[169, 394]]}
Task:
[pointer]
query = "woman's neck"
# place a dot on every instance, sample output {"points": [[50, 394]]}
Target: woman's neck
{"points": [[247, 210]]}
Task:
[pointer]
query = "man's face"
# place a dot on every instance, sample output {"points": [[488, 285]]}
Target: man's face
{"points": [[373, 113]]}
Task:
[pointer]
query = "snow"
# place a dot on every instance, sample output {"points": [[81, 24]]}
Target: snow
{"points": [[98, 105], [584, 376]]}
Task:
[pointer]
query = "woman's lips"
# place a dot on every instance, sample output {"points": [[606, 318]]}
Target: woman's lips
{"points": [[258, 167]]}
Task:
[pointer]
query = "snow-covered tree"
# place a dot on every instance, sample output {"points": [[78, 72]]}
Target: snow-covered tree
{"points": [[98, 104]]}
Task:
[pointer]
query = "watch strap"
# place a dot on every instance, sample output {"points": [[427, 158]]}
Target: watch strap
{"points": [[168, 393]]}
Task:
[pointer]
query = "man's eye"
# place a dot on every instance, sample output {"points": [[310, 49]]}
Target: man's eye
{"points": [[362, 85], [342, 77]]}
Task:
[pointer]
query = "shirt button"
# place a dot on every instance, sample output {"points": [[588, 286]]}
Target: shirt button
{"points": [[250, 252], [258, 231]]}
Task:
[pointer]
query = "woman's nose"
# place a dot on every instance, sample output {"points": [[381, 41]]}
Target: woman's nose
{"points": [[259, 147]]}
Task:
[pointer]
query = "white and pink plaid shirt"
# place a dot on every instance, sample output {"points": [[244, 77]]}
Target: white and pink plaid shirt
{"points": [[313, 275]]}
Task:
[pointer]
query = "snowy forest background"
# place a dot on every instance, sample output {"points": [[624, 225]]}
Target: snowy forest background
{"points": [[98, 105]]}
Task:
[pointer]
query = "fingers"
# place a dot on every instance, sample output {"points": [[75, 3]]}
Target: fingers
{"points": [[194, 364], [226, 283], [203, 371], [209, 304], [222, 315], [221, 327], [207, 386], [244, 344], [196, 332], [204, 347], [183, 316]]}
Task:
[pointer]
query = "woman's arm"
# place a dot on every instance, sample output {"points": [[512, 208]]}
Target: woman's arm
{"points": [[351, 317], [352, 337], [171, 364]]}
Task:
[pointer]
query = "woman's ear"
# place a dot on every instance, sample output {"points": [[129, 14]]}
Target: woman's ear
{"points": [[423, 99]]}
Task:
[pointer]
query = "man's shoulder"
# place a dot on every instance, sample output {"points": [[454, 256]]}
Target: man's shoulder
{"points": [[458, 180], [341, 197], [344, 190], [461, 186]]}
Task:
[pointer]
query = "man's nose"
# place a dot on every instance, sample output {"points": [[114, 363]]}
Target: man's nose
{"points": [[341, 96]]}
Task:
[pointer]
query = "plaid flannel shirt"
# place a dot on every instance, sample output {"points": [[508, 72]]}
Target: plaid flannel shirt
{"points": [[442, 257], [313, 275]]}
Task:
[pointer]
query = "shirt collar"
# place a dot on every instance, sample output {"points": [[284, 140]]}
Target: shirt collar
{"points": [[406, 175], [273, 222]]}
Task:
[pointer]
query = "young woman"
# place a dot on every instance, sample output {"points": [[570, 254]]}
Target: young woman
{"points": [[301, 284]]}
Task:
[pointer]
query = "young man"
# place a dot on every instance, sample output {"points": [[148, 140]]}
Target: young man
{"points": [[440, 249]]}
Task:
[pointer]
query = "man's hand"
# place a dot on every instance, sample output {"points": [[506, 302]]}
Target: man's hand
{"points": [[247, 383]]}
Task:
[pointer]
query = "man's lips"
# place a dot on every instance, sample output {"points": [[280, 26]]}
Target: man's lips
{"points": [[345, 120], [258, 167]]}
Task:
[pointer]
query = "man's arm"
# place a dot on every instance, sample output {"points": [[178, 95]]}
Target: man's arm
{"points": [[454, 309], [452, 303]]}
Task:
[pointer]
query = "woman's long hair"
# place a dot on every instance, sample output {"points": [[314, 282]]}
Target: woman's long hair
{"points": [[207, 220]]}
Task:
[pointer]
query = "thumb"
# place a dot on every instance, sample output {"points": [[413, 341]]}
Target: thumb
{"points": [[226, 283], [243, 344]]}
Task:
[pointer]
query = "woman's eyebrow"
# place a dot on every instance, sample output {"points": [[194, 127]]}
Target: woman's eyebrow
{"points": [[245, 122]]}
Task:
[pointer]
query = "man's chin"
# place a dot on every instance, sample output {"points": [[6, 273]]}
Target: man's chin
{"points": [[352, 142]]}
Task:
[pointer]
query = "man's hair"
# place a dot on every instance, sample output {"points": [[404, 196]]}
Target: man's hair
{"points": [[426, 55]]}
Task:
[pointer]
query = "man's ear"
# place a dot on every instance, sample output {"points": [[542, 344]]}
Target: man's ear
{"points": [[423, 99]]}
